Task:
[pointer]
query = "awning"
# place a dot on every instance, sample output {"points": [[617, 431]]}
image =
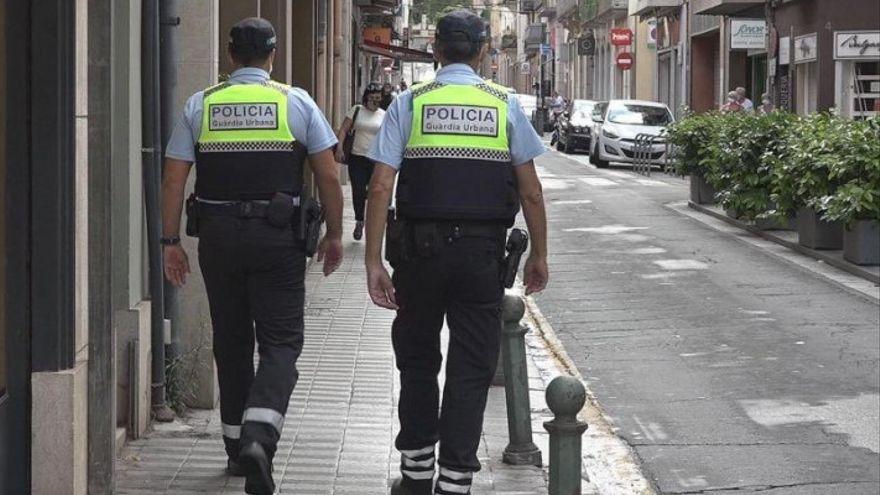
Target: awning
{"points": [[397, 52]]}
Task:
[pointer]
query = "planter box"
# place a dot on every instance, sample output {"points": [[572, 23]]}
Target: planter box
{"points": [[732, 213], [702, 193], [815, 233], [861, 242], [774, 224]]}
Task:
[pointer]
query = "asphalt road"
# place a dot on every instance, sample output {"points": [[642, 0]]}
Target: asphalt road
{"points": [[725, 368]]}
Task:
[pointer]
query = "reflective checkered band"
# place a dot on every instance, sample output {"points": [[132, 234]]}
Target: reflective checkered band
{"points": [[497, 93], [213, 89], [466, 153], [277, 86], [227, 147], [420, 90]]}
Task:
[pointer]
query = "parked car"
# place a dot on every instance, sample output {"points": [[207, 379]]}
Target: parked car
{"points": [[573, 126], [616, 125], [528, 103]]}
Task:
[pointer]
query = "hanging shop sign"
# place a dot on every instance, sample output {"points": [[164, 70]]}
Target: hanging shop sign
{"points": [[525, 68], [784, 50], [747, 34], [587, 45], [857, 45], [621, 37], [378, 34], [652, 32], [625, 60], [805, 48]]}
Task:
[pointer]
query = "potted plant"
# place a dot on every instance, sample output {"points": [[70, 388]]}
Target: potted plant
{"points": [[856, 200], [801, 176], [748, 146], [692, 140]]}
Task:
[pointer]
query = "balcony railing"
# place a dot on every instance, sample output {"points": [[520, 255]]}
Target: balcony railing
{"points": [[733, 8], [653, 7], [599, 11]]}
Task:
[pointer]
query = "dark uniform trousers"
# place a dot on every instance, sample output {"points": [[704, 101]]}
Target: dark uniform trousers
{"points": [[462, 283], [253, 275]]}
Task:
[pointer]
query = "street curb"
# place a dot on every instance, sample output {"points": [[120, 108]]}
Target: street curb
{"points": [[608, 461], [819, 255], [873, 296]]}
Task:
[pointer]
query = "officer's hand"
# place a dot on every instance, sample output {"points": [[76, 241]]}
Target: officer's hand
{"points": [[535, 274], [176, 265], [330, 252], [380, 287]]}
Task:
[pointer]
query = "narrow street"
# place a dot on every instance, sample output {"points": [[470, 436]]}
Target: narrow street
{"points": [[724, 368]]}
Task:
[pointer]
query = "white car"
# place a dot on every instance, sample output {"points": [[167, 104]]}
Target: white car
{"points": [[616, 125]]}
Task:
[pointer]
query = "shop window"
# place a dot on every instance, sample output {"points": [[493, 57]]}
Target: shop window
{"points": [[807, 88]]}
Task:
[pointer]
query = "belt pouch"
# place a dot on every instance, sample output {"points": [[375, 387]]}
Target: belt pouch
{"points": [[395, 240], [427, 239], [280, 211], [192, 216]]}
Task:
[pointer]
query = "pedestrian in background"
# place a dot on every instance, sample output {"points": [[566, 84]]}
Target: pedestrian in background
{"points": [[465, 151], [732, 104], [357, 133], [248, 194], [402, 86], [767, 106], [387, 96], [743, 100]]}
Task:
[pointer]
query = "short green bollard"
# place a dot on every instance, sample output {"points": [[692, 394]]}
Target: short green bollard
{"points": [[521, 451], [565, 397]]}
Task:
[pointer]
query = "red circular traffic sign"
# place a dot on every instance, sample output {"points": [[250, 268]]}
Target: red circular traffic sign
{"points": [[624, 60]]}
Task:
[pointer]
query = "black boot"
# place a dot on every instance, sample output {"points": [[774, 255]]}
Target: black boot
{"points": [[258, 469], [403, 486], [233, 468]]}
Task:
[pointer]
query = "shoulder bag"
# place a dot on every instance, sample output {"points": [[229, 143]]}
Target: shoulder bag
{"points": [[348, 142]]}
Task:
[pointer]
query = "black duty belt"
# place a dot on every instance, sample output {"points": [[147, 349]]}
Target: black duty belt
{"points": [[238, 209], [456, 230]]}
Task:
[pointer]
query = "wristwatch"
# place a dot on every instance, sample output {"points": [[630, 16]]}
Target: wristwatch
{"points": [[170, 241]]}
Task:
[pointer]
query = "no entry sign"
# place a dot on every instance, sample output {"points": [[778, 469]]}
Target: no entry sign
{"points": [[625, 60]]}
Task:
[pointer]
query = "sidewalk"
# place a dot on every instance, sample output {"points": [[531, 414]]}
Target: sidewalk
{"points": [[340, 426]]}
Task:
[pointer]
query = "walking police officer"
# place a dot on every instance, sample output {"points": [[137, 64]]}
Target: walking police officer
{"points": [[249, 138], [464, 150]]}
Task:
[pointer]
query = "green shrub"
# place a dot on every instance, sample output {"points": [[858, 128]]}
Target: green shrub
{"points": [[690, 138], [856, 171]]}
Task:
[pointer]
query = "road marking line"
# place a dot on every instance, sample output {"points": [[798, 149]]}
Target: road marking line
{"points": [[598, 181], [605, 229]]}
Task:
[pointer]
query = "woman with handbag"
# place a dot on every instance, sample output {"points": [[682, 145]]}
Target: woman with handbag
{"points": [[356, 134]]}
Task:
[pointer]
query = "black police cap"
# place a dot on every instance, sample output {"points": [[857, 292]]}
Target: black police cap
{"points": [[252, 35], [461, 25]]}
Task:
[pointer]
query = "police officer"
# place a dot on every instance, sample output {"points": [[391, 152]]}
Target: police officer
{"points": [[464, 150], [249, 138]]}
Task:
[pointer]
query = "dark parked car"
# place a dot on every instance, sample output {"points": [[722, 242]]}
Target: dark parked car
{"points": [[573, 127]]}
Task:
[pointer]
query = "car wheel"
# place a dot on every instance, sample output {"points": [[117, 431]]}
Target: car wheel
{"points": [[568, 148], [595, 159], [559, 145]]}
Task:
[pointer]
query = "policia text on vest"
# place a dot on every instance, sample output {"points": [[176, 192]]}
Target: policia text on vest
{"points": [[249, 138], [460, 119]]}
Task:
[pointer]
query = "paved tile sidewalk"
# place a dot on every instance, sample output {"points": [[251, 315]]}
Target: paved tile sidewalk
{"points": [[339, 430]]}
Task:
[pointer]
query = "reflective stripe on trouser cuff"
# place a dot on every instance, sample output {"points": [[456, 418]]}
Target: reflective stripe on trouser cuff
{"points": [[418, 475], [264, 415], [418, 452], [231, 431], [409, 463], [456, 475], [445, 487]]}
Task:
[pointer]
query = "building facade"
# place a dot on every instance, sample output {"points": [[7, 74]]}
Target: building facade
{"points": [[82, 320]]}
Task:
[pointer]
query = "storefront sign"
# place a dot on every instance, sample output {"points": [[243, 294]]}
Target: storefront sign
{"points": [[525, 68], [621, 37], [747, 34], [784, 50], [625, 60], [805, 48], [857, 44]]}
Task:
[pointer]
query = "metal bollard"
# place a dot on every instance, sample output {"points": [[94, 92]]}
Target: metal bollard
{"points": [[521, 451], [565, 397]]}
